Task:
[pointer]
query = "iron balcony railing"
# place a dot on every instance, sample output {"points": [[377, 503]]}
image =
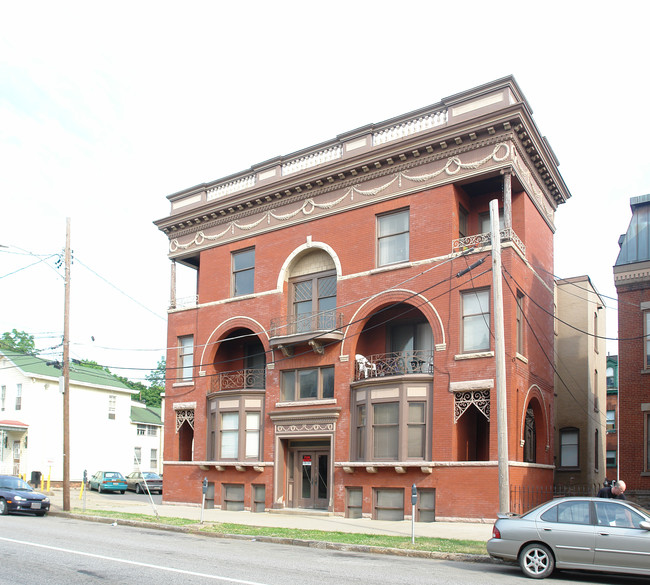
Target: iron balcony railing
{"points": [[393, 364], [485, 239], [239, 380], [524, 498], [306, 323]]}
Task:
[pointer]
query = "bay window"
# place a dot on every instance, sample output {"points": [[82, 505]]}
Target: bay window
{"points": [[235, 426]]}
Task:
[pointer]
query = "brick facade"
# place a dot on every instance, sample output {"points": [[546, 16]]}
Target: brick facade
{"points": [[410, 401]]}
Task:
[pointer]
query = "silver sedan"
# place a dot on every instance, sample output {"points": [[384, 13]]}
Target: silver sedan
{"points": [[575, 533]]}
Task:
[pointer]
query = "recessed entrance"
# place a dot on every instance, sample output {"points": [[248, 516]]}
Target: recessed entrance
{"points": [[310, 473]]}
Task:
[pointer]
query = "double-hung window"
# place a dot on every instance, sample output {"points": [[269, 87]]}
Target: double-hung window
{"points": [[19, 396], [235, 427], [569, 444], [307, 384], [646, 333], [393, 237], [186, 357], [476, 320], [243, 272]]}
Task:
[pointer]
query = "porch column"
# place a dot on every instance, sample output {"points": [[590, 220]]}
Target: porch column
{"points": [[507, 198], [172, 292]]}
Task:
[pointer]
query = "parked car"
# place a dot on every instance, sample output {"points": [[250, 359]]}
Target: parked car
{"points": [[17, 495], [139, 482], [593, 534], [107, 481]]}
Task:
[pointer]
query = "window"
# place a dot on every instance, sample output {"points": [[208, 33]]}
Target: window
{"points": [[611, 421], [610, 458], [647, 442], [476, 320], [646, 333], [596, 331], [530, 437], [569, 513], [186, 357], [610, 513], [149, 430], [243, 272], [411, 343], [520, 323], [611, 381], [137, 455], [485, 225], [314, 302], [596, 449], [389, 504], [112, 399], [308, 384], [354, 508], [596, 403], [233, 497], [393, 238], [153, 459], [392, 424], [235, 427], [3, 396], [142, 430], [19, 396], [569, 443], [463, 222]]}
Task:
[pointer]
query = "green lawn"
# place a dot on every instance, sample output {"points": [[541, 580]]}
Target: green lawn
{"points": [[443, 545]]}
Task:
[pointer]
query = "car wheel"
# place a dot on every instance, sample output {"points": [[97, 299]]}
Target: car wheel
{"points": [[138, 489], [121, 491], [99, 488], [536, 561], [40, 513], [4, 508]]}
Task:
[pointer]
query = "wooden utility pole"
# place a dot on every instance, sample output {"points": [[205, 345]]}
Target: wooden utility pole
{"points": [[66, 373], [500, 358]]}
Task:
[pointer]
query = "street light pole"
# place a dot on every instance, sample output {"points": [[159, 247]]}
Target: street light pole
{"points": [[66, 373]]}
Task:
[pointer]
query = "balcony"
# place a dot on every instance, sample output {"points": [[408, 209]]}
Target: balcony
{"points": [[485, 239], [249, 379], [315, 328], [393, 364]]}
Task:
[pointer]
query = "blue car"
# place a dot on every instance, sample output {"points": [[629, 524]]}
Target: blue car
{"points": [[17, 495], [108, 481]]}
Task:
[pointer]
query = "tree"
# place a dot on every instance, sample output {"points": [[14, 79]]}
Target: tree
{"points": [[157, 377], [19, 341]]}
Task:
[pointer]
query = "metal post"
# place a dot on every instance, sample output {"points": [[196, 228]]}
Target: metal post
{"points": [[414, 501], [500, 358], [204, 489]]}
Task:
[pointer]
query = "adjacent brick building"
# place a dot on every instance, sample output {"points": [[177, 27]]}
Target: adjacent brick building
{"points": [[632, 279], [341, 344]]}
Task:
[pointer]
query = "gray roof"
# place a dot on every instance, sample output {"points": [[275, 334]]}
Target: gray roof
{"points": [[635, 243]]}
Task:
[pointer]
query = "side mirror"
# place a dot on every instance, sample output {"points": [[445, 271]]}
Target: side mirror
{"points": [[645, 525]]}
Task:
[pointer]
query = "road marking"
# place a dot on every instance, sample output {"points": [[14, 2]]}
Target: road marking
{"points": [[127, 562]]}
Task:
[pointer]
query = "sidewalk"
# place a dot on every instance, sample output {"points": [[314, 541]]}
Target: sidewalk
{"points": [[281, 519]]}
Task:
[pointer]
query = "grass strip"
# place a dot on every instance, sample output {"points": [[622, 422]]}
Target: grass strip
{"points": [[443, 545]]}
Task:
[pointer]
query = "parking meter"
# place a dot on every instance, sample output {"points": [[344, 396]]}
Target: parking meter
{"points": [[414, 495], [205, 485], [85, 477]]}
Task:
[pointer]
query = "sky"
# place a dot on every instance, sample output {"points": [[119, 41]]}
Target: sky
{"points": [[107, 108]]}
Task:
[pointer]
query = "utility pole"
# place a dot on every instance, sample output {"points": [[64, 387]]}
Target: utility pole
{"points": [[66, 373], [500, 358]]}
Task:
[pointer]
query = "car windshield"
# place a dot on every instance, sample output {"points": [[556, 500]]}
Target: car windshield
{"points": [[15, 483]]}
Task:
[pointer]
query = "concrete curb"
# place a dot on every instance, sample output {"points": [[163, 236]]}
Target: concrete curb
{"points": [[191, 529]]}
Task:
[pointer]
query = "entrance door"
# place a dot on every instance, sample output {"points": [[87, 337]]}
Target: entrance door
{"points": [[313, 479], [16, 457]]}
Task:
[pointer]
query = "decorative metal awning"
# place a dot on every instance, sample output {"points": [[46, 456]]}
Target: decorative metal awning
{"points": [[463, 400]]}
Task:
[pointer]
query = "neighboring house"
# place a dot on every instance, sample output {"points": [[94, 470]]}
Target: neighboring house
{"points": [[148, 440], [580, 385], [612, 418], [341, 348], [31, 419], [632, 280]]}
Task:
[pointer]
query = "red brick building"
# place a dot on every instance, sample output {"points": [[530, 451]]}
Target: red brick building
{"points": [[340, 348], [632, 279]]}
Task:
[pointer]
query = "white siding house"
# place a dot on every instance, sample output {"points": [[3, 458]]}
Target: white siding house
{"points": [[147, 435], [31, 419]]}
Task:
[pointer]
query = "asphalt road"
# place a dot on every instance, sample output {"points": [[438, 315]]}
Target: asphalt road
{"points": [[58, 550]]}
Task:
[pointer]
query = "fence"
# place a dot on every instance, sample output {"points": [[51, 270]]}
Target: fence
{"points": [[524, 498]]}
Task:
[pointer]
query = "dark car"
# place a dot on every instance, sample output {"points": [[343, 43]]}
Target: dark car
{"points": [[17, 495], [142, 482], [107, 481], [592, 534]]}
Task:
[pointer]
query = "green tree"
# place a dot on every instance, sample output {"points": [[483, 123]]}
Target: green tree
{"points": [[19, 341]]}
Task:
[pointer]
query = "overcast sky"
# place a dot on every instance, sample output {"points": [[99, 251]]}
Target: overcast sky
{"points": [[106, 108]]}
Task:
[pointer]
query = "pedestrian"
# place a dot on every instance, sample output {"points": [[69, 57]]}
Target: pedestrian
{"points": [[615, 491]]}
